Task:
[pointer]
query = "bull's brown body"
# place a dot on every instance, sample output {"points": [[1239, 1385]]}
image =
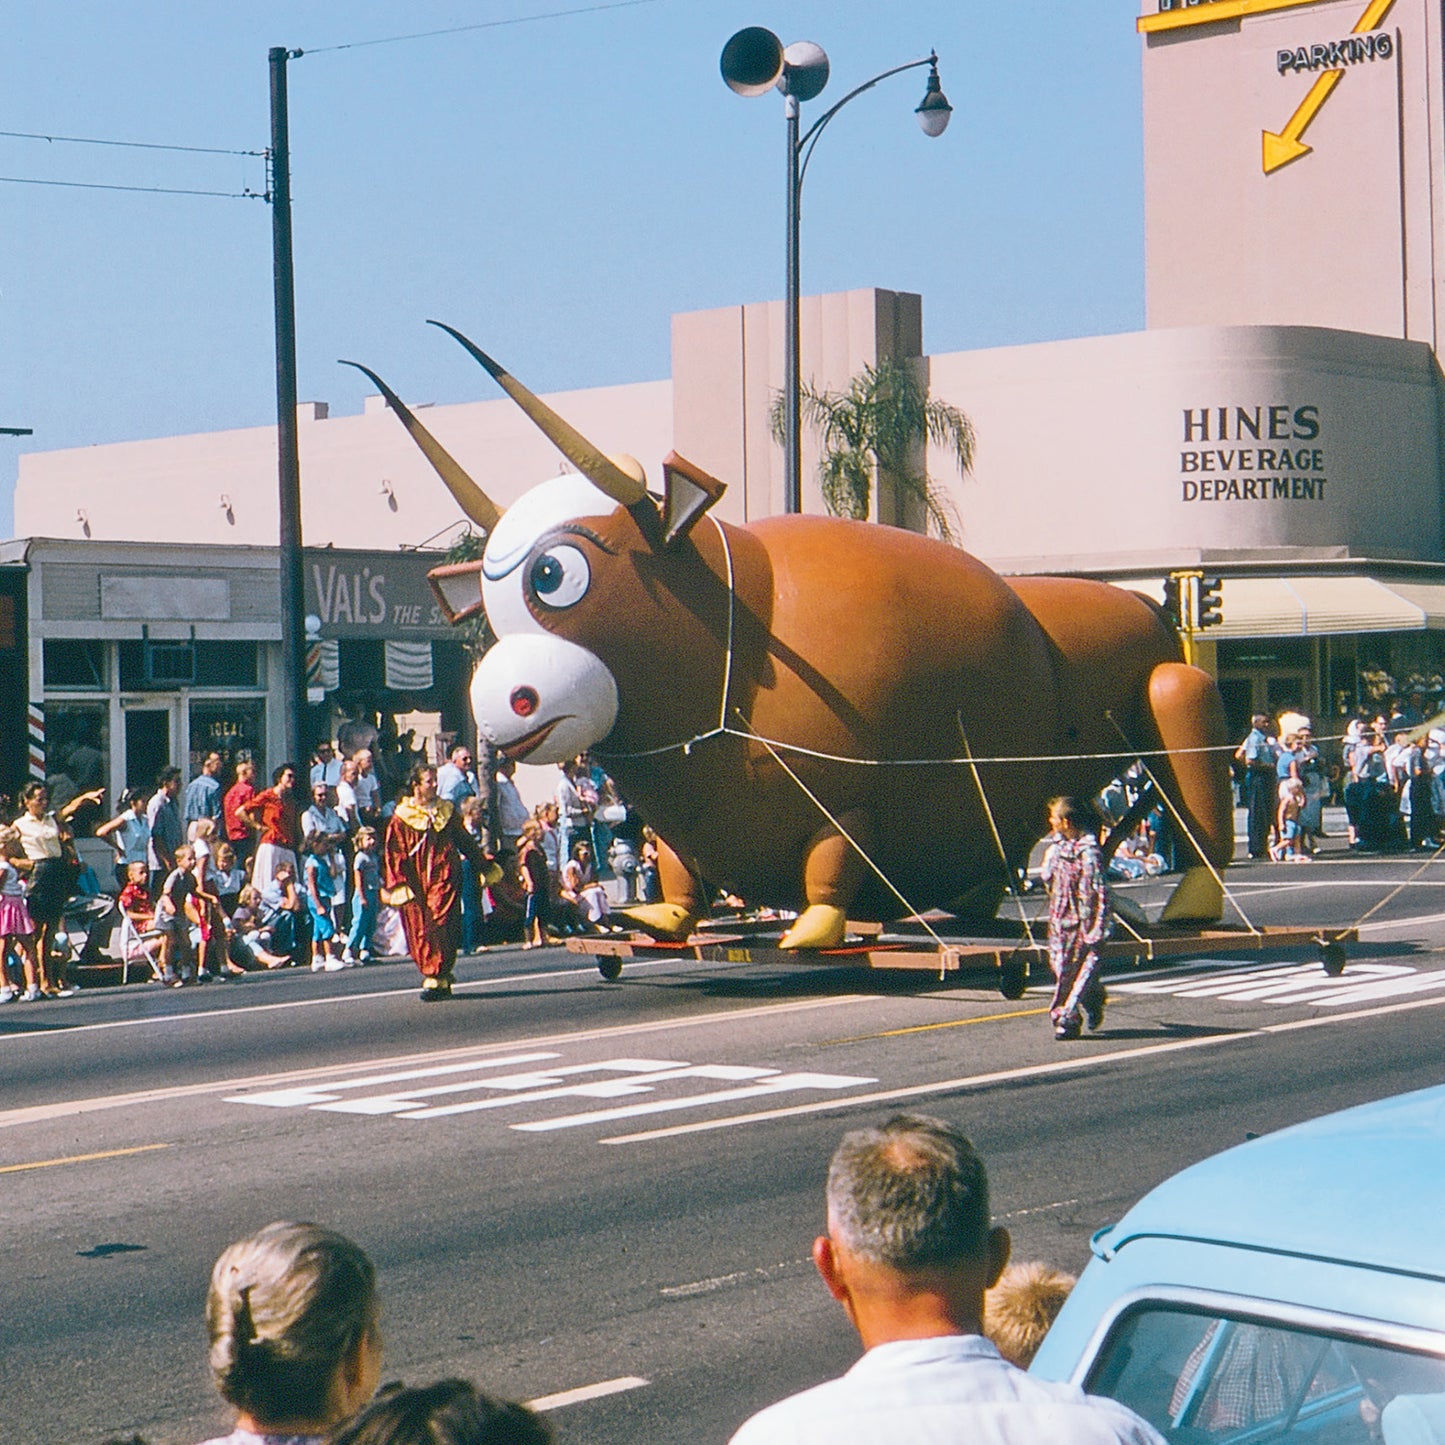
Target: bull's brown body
{"points": [[903, 656], [793, 704]]}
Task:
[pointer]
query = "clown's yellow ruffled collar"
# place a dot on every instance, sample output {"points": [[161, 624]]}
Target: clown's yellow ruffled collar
{"points": [[422, 816]]}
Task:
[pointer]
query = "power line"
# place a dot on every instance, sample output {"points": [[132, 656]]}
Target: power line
{"points": [[148, 190], [127, 144], [248, 194], [482, 25]]}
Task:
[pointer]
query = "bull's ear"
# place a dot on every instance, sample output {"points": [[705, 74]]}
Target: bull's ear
{"points": [[688, 492], [458, 588]]}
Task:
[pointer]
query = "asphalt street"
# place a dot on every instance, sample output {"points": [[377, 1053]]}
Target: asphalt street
{"points": [[602, 1195]]}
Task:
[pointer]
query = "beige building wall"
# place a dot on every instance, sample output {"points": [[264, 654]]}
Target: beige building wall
{"points": [[1136, 448], [1339, 219], [363, 482], [727, 366], [1142, 448], [365, 485]]}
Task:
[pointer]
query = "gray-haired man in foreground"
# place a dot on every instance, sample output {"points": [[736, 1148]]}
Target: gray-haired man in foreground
{"points": [[909, 1253]]}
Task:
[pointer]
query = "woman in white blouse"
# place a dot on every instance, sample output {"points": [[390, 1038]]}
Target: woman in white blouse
{"points": [[49, 844]]}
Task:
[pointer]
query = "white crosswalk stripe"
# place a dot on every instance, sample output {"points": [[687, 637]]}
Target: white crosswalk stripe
{"points": [[437, 1092], [1293, 983]]}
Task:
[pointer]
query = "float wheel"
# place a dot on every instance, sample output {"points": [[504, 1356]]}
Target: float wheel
{"points": [[1332, 956], [1013, 976], [610, 968]]}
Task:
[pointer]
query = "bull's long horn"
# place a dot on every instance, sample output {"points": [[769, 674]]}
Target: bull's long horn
{"points": [[599, 469], [472, 499]]}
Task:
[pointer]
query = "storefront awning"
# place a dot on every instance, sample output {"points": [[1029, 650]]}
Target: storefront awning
{"points": [[1320, 606]]}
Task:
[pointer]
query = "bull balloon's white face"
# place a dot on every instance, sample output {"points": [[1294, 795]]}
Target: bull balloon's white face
{"points": [[537, 696]]}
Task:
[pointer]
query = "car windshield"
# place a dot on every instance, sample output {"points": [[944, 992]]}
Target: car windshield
{"points": [[1201, 1378]]}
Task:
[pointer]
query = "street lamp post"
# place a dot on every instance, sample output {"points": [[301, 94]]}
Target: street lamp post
{"points": [[755, 61]]}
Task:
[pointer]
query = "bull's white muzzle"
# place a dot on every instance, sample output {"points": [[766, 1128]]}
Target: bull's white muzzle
{"points": [[542, 699]]}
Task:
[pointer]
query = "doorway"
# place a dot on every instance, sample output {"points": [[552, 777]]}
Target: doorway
{"points": [[1271, 690], [1269, 676], [147, 745]]}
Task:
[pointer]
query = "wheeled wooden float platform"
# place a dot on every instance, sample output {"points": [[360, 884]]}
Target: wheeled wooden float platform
{"points": [[1011, 960]]}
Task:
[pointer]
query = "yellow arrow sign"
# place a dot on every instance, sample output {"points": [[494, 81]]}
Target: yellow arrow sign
{"points": [[1214, 13], [1280, 148]]}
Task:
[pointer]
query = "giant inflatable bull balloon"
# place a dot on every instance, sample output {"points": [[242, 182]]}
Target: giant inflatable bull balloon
{"points": [[830, 716]]}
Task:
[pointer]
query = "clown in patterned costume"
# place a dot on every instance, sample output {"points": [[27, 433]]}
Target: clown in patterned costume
{"points": [[1078, 918]]}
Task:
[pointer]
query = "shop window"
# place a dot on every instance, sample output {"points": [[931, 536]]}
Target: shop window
{"points": [[235, 728], [227, 664], [1395, 667], [155, 665], [74, 662], [77, 755]]}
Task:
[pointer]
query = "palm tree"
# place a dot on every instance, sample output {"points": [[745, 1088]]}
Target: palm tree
{"points": [[880, 426]]}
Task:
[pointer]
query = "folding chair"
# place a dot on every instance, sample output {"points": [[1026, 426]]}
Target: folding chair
{"points": [[136, 946]]}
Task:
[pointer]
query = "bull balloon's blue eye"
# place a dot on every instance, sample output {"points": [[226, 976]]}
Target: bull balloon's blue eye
{"points": [[559, 576]]}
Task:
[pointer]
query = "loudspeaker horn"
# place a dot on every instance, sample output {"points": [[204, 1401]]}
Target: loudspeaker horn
{"points": [[805, 70], [752, 61]]}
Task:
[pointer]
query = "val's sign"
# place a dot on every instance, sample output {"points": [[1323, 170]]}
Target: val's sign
{"points": [[339, 596], [373, 594]]}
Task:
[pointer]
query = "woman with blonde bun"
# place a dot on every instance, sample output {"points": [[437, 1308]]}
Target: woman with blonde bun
{"points": [[295, 1344]]}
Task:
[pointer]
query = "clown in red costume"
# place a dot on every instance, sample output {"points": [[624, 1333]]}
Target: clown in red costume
{"points": [[424, 845]]}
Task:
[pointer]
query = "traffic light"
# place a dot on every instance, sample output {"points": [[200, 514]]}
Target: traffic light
{"points": [[1211, 602], [1173, 601]]}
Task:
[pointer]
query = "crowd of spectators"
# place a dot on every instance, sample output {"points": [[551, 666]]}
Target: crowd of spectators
{"points": [[219, 876], [1388, 769]]}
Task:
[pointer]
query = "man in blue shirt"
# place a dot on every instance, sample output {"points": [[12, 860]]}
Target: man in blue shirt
{"points": [[202, 798], [455, 778]]}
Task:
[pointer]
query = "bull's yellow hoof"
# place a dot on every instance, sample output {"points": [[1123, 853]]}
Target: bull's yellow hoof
{"points": [[1197, 898], [667, 922], [819, 926]]}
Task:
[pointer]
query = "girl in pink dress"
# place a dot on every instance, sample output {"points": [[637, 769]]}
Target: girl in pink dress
{"points": [[17, 928]]}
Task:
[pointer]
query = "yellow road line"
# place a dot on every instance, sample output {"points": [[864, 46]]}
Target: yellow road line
{"points": [[80, 1158], [1023, 1013]]}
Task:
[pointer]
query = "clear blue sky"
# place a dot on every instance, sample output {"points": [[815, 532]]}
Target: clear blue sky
{"points": [[556, 188]]}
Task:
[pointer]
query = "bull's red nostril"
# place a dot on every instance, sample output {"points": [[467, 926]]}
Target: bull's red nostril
{"points": [[525, 701]]}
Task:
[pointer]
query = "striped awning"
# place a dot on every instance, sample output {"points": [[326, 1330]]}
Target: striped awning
{"points": [[1318, 606]]}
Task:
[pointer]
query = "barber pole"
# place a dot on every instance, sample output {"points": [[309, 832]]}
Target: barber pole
{"points": [[35, 723]]}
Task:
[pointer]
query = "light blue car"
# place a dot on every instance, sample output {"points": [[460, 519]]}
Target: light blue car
{"points": [[1292, 1288]]}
